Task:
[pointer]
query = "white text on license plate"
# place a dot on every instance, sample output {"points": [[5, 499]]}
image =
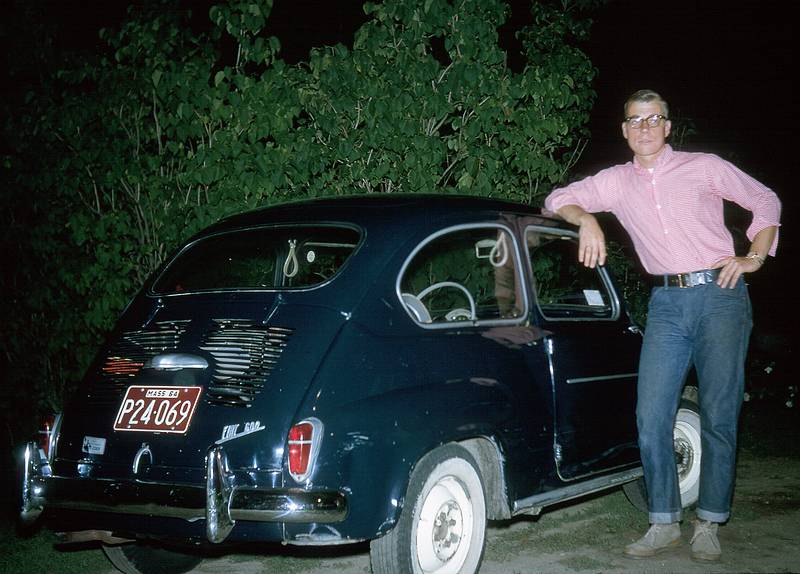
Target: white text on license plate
{"points": [[157, 409]]}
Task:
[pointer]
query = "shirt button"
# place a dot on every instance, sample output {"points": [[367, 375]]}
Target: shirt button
{"points": [[665, 232], [658, 207]]}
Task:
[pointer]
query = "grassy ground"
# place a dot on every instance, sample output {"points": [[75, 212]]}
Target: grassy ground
{"points": [[584, 537], [38, 554]]}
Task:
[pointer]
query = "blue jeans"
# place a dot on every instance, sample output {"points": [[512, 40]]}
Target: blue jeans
{"points": [[709, 327]]}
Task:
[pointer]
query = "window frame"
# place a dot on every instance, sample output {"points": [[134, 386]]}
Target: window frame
{"points": [[521, 319], [151, 291], [601, 270]]}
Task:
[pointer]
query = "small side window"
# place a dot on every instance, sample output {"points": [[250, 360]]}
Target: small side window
{"points": [[469, 274], [565, 288]]}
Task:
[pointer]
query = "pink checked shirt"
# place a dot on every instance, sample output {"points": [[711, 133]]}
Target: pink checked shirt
{"points": [[674, 212]]}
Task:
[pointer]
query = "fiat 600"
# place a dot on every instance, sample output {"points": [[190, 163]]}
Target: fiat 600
{"points": [[393, 369]]}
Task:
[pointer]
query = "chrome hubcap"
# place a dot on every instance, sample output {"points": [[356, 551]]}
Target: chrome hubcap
{"points": [[447, 531]]}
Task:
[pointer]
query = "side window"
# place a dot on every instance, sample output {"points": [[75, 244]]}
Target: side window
{"points": [[468, 274], [565, 288]]}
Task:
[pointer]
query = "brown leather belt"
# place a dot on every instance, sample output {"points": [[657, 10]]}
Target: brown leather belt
{"points": [[684, 280]]}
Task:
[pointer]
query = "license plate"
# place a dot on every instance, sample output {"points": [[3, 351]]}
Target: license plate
{"points": [[157, 409]]}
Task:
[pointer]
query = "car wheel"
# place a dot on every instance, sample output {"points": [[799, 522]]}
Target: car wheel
{"points": [[442, 526], [146, 559], [688, 451]]}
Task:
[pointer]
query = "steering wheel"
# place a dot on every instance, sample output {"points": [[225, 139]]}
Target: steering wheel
{"points": [[471, 315], [458, 314]]}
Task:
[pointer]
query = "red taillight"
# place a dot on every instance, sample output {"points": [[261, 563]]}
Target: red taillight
{"points": [[45, 435], [304, 438]]}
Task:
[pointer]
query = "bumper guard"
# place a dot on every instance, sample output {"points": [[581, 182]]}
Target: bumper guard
{"points": [[221, 503]]}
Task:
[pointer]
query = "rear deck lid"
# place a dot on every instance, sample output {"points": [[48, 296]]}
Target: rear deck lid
{"points": [[223, 349]]}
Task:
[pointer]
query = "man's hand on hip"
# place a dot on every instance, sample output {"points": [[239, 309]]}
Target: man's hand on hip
{"points": [[732, 268]]}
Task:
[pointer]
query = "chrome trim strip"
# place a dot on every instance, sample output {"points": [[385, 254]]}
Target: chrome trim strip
{"points": [[147, 509], [575, 490], [601, 378]]}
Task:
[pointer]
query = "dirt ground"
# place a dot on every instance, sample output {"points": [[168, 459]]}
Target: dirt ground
{"points": [[763, 536]]}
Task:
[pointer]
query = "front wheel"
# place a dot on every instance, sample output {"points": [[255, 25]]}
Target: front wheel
{"points": [[688, 452], [442, 527], [145, 559]]}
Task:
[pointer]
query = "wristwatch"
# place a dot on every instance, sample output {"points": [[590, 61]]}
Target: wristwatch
{"points": [[754, 255]]}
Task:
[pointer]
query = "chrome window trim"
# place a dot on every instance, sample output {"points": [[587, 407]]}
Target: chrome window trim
{"points": [[362, 235], [604, 277], [523, 318]]}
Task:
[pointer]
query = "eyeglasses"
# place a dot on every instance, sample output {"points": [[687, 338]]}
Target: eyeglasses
{"points": [[651, 121]]}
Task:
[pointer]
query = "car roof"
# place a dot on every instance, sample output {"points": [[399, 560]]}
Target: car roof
{"points": [[391, 225], [373, 211]]}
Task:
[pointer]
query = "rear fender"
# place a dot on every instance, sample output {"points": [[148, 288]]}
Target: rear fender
{"points": [[373, 465]]}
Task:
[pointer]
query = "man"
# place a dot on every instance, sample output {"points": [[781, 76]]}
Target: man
{"points": [[671, 204]]}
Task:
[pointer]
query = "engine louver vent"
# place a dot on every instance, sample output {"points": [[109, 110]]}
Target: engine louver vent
{"points": [[244, 354], [131, 351]]}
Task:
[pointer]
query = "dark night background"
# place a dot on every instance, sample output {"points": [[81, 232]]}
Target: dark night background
{"points": [[726, 66], [729, 67]]}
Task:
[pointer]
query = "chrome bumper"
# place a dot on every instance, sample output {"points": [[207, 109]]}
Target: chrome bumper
{"points": [[221, 503]]}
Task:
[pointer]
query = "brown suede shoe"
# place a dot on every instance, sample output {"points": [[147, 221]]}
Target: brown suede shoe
{"points": [[659, 538]]}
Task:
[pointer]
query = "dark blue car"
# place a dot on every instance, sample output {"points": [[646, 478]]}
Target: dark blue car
{"points": [[397, 369]]}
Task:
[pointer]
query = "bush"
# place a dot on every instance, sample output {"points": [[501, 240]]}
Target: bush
{"points": [[112, 158]]}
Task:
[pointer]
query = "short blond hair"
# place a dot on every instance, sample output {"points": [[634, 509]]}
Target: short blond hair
{"points": [[647, 96]]}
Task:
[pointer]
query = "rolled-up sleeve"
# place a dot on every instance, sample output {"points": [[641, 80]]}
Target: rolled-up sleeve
{"points": [[735, 185], [593, 194]]}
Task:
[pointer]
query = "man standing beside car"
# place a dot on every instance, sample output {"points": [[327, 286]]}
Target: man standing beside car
{"points": [[671, 204]]}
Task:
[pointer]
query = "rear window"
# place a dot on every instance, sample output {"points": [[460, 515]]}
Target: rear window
{"points": [[262, 258]]}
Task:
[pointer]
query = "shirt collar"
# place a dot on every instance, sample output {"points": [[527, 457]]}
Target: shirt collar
{"points": [[665, 156]]}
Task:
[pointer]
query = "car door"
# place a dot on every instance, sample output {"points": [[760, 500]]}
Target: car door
{"points": [[463, 286], [593, 353]]}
